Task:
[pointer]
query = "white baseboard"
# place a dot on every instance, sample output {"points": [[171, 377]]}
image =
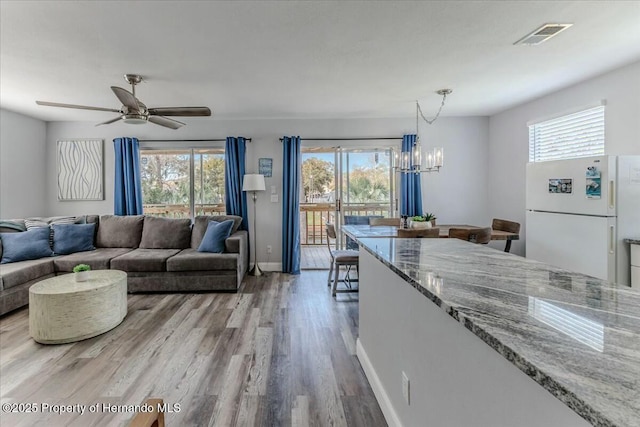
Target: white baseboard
{"points": [[381, 395], [268, 266]]}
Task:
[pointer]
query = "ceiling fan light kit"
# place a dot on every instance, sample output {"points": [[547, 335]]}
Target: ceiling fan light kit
{"points": [[133, 119], [133, 111]]}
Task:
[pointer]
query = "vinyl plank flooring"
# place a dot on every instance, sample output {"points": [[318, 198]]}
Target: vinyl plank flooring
{"points": [[281, 352]]}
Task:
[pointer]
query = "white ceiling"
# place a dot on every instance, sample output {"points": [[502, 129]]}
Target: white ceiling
{"points": [[304, 59]]}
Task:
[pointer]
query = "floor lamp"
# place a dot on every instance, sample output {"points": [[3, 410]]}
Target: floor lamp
{"points": [[254, 183]]}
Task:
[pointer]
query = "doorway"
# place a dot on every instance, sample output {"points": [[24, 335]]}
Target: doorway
{"points": [[341, 181]]}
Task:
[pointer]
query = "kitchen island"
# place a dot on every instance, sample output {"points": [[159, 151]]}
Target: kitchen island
{"points": [[487, 338]]}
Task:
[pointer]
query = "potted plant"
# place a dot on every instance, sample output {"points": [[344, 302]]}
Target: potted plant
{"points": [[431, 218], [81, 272], [419, 221]]}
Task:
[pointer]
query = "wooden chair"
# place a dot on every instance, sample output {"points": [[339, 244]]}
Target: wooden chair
{"points": [[153, 418], [339, 258], [419, 232], [508, 226], [474, 235], [385, 221]]}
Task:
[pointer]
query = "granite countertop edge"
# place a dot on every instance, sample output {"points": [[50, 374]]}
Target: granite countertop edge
{"points": [[532, 371]]}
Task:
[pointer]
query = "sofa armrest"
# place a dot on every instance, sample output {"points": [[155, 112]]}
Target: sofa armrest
{"points": [[237, 243]]}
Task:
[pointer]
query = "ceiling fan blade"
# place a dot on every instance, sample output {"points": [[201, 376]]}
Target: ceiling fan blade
{"points": [[110, 121], [181, 111], [166, 122], [126, 98], [80, 107]]}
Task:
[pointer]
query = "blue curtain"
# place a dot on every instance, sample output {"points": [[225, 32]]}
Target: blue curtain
{"points": [[128, 188], [410, 188], [235, 199], [291, 204]]}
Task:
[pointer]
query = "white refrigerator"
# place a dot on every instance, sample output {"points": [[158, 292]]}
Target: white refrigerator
{"points": [[579, 212]]}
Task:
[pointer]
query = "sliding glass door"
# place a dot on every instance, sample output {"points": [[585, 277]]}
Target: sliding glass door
{"points": [[367, 186], [343, 181]]}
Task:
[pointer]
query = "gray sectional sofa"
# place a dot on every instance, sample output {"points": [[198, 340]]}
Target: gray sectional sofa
{"points": [[158, 254]]}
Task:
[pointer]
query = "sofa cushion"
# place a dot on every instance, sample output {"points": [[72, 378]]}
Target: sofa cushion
{"points": [[98, 260], [31, 244], [143, 260], [202, 222], [165, 233], [192, 260], [119, 231], [71, 238], [17, 273], [214, 237]]}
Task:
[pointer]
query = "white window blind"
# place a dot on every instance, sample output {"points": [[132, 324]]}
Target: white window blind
{"points": [[579, 134]]}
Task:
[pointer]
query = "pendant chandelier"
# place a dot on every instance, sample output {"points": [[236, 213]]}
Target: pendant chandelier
{"points": [[411, 161]]}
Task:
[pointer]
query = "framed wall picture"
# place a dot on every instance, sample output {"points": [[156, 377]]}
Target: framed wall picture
{"points": [[265, 167], [80, 169]]}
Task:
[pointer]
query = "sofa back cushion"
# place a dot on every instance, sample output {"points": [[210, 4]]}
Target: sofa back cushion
{"points": [[32, 244], [201, 222], [119, 231], [165, 233]]}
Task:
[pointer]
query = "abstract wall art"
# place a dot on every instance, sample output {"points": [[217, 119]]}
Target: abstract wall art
{"points": [[80, 171]]}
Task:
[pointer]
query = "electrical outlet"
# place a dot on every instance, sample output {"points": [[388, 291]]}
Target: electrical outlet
{"points": [[269, 249], [405, 388]]}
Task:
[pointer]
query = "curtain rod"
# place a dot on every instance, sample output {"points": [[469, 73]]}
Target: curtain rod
{"points": [[189, 140], [349, 139]]}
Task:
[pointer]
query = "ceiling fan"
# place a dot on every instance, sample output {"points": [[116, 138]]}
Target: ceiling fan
{"points": [[133, 111]]}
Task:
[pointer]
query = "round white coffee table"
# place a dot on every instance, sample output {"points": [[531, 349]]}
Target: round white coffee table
{"points": [[62, 310]]}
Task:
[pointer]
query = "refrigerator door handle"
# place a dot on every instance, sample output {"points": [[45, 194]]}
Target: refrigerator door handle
{"points": [[612, 195], [612, 239]]}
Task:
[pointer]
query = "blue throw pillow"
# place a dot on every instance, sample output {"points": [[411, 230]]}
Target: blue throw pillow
{"points": [[72, 238], [32, 244], [214, 237]]}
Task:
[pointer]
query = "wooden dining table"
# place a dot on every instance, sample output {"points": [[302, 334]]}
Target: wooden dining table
{"points": [[362, 231]]}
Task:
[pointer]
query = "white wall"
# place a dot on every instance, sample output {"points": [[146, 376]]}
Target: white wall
{"points": [[457, 194], [509, 139], [22, 166]]}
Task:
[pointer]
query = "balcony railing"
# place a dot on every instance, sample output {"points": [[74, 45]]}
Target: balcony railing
{"points": [[182, 211], [313, 216]]}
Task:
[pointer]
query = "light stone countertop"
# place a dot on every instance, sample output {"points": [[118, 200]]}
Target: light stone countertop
{"points": [[632, 241], [577, 336]]}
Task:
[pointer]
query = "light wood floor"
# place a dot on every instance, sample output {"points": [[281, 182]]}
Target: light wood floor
{"points": [[314, 257], [281, 352]]}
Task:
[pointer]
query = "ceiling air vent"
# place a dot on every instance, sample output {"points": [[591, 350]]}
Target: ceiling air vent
{"points": [[542, 34]]}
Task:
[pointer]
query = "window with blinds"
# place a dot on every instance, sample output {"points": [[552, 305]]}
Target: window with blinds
{"points": [[575, 135]]}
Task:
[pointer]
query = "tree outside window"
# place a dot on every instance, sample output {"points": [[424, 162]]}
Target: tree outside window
{"points": [[167, 184]]}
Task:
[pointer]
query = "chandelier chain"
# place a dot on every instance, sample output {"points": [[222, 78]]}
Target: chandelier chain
{"points": [[419, 110]]}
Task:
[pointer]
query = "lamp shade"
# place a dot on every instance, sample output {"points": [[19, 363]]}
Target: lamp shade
{"points": [[253, 182]]}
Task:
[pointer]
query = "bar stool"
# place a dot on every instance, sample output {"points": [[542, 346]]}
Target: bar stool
{"points": [[339, 258], [474, 235], [508, 226]]}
